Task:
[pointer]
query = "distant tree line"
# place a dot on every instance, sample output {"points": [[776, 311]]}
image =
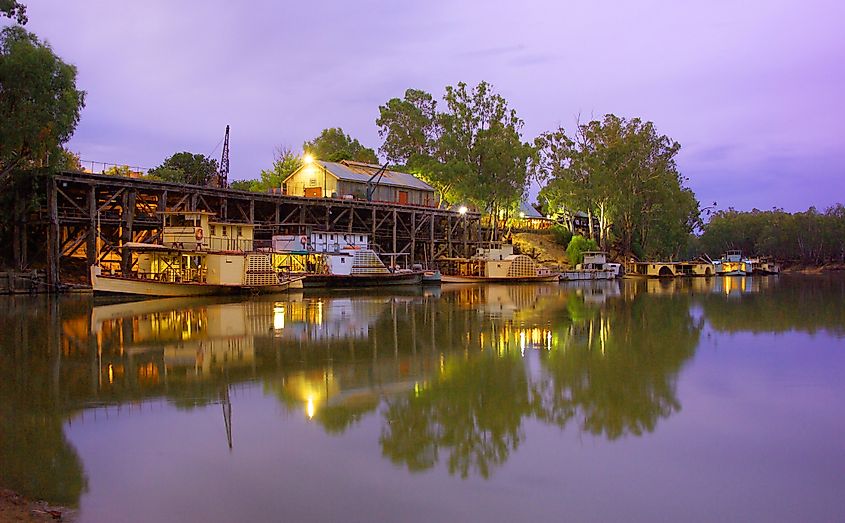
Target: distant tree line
{"points": [[809, 237]]}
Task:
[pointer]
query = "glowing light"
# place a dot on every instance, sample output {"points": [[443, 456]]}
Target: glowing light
{"points": [[309, 407], [462, 210], [521, 214], [111, 373], [307, 158]]}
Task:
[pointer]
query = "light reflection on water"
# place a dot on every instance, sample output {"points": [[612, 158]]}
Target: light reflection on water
{"points": [[406, 406]]}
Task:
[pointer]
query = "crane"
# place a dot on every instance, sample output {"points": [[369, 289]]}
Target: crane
{"points": [[372, 183], [223, 175]]}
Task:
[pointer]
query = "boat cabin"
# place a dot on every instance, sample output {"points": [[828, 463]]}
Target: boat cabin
{"points": [[198, 231]]}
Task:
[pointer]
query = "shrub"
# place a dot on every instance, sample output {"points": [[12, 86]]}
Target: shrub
{"points": [[578, 245], [561, 235]]}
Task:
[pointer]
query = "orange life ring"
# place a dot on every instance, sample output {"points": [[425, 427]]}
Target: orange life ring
{"points": [[198, 234]]}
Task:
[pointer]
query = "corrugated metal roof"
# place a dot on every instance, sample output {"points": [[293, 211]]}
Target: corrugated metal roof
{"points": [[530, 211], [361, 172]]}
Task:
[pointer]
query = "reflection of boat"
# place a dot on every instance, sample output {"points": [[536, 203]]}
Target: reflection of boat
{"points": [[196, 258], [594, 267], [495, 265], [330, 259]]}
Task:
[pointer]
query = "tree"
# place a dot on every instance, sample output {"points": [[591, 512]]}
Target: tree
{"points": [[14, 10], [620, 172], [334, 145], [39, 101], [118, 170], [471, 152], [285, 163], [187, 168], [408, 126]]}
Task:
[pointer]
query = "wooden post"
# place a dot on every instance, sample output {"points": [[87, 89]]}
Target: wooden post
{"points": [[395, 224], [251, 210], [91, 245], [431, 236], [373, 237], [413, 237], [53, 236], [127, 218]]}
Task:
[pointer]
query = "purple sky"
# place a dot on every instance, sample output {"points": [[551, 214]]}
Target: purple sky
{"points": [[753, 90]]}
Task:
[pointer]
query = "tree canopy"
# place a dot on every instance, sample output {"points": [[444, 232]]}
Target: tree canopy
{"points": [[334, 145], [471, 152], [14, 10], [185, 167], [39, 102], [810, 237], [285, 163], [620, 172]]}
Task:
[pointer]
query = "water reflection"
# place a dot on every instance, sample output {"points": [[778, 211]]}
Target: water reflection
{"points": [[452, 376]]}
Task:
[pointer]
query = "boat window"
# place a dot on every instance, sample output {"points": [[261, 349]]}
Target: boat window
{"points": [[360, 238], [343, 260], [212, 230], [321, 236], [224, 230], [240, 231]]}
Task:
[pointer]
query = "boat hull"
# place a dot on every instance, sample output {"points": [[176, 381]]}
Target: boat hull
{"points": [[361, 280], [445, 278], [586, 275], [119, 285]]}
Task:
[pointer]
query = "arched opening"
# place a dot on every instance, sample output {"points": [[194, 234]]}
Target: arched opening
{"points": [[708, 272], [665, 272]]}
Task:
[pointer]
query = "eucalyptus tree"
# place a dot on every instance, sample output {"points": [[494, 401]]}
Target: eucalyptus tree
{"points": [[472, 151], [39, 102], [622, 173], [335, 145]]}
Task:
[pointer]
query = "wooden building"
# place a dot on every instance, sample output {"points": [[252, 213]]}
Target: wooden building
{"points": [[349, 180]]}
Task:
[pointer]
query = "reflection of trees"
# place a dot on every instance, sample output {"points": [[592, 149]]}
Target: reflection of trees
{"points": [[618, 372], [473, 411], [794, 303], [36, 459]]}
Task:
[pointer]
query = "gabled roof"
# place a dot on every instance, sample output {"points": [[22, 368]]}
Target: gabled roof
{"points": [[360, 172], [530, 211]]}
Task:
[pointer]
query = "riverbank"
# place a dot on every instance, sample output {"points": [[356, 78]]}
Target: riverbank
{"points": [[16, 508], [812, 269]]}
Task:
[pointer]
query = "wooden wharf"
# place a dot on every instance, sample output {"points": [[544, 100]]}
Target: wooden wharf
{"points": [[89, 217]]}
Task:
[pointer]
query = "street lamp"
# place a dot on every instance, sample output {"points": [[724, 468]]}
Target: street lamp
{"points": [[462, 210], [307, 158]]}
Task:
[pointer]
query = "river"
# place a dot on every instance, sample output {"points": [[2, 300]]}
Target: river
{"points": [[686, 400]]}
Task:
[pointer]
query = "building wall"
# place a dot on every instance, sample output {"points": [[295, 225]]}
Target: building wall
{"points": [[386, 193], [311, 176]]}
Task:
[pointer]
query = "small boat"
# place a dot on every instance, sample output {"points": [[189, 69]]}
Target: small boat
{"points": [[732, 264], [338, 260], [761, 265], [432, 277], [593, 267], [495, 265], [197, 257]]}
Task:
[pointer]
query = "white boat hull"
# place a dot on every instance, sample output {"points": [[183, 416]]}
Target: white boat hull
{"points": [[587, 275], [445, 278]]}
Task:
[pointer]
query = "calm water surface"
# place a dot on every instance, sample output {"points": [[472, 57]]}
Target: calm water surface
{"points": [[719, 400]]}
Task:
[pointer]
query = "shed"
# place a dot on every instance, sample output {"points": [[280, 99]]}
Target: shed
{"points": [[349, 180]]}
